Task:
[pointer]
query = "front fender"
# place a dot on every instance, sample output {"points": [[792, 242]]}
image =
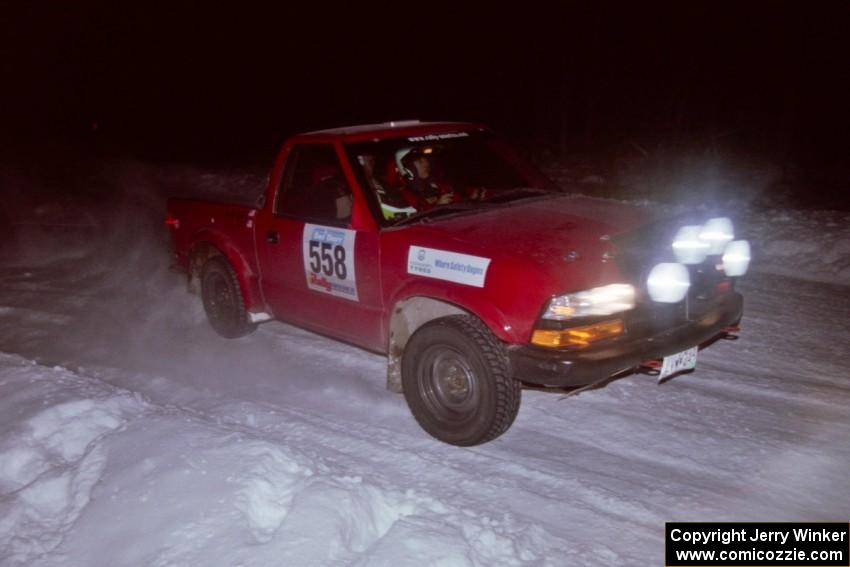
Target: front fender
{"points": [[474, 301]]}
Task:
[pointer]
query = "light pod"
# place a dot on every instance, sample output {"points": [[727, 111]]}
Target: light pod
{"points": [[689, 247], [736, 258], [717, 233], [668, 282]]}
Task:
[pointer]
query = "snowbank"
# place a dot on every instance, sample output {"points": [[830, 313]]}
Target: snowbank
{"points": [[51, 452], [93, 475], [806, 244]]}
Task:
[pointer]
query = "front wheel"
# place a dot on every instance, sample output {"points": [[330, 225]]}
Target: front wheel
{"points": [[223, 301], [457, 381]]}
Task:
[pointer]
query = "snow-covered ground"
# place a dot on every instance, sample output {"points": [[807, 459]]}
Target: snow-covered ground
{"points": [[130, 434]]}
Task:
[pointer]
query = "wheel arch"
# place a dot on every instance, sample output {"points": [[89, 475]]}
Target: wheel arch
{"points": [[411, 313], [209, 246]]}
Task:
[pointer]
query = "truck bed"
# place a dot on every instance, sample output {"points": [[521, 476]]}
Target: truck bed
{"points": [[227, 225]]}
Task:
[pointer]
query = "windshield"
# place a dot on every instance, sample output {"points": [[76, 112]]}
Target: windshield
{"points": [[407, 178]]}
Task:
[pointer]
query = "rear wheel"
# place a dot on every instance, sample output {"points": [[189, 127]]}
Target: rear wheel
{"points": [[457, 381], [222, 297]]}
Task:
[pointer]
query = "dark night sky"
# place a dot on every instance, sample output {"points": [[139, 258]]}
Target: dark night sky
{"points": [[182, 80]]}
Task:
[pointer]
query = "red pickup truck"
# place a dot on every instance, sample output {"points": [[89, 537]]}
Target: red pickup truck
{"points": [[436, 244]]}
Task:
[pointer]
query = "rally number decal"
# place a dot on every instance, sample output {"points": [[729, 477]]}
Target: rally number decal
{"points": [[323, 261], [329, 260]]}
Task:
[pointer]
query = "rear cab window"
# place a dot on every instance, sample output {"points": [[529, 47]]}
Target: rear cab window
{"points": [[313, 187]]}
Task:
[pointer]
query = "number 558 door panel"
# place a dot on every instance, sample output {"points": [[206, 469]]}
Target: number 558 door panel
{"points": [[319, 271]]}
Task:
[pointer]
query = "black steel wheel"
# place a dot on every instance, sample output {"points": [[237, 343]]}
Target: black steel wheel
{"points": [[223, 301], [457, 381]]}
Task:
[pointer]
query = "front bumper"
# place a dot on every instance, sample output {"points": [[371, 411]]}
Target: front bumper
{"points": [[550, 367]]}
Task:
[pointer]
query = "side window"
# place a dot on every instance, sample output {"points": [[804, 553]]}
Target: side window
{"points": [[313, 186]]}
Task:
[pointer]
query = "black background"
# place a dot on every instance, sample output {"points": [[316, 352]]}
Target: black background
{"points": [[216, 82]]}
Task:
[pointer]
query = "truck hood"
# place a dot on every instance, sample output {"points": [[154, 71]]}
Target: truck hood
{"points": [[544, 236], [543, 227]]}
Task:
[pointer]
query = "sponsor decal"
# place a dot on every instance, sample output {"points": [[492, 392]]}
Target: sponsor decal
{"points": [[437, 137], [329, 260], [450, 266]]}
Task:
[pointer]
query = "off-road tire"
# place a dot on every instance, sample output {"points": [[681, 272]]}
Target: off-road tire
{"points": [[457, 380], [222, 297]]}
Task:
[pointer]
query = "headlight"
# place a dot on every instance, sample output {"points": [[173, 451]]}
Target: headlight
{"points": [[605, 300]]}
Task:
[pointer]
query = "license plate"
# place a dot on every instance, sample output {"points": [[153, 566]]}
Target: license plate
{"points": [[679, 362]]}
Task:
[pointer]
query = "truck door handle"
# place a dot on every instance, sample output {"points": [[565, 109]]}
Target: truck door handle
{"points": [[272, 237]]}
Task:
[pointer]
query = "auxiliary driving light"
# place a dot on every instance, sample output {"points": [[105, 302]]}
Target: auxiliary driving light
{"points": [[717, 233], [668, 282], [736, 258], [689, 247]]}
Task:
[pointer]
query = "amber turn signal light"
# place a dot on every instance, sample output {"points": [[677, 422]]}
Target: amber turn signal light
{"points": [[578, 336]]}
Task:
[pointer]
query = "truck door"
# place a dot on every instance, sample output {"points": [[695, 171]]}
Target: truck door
{"points": [[318, 270]]}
